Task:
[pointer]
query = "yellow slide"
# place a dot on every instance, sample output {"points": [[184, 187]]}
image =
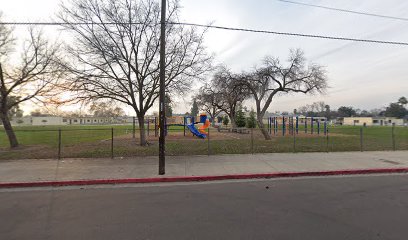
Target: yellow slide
{"points": [[203, 128]]}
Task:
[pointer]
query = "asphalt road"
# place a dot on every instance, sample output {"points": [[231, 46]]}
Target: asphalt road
{"points": [[366, 207]]}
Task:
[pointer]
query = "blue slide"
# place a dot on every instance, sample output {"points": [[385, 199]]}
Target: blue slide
{"points": [[195, 131]]}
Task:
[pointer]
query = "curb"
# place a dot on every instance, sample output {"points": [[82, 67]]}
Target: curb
{"points": [[199, 178]]}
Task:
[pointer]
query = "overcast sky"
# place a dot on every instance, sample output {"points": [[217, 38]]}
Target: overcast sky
{"points": [[363, 75]]}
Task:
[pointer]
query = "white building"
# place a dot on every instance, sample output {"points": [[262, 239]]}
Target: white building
{"points": [[372, 121], [55, 121], [46, 121]]}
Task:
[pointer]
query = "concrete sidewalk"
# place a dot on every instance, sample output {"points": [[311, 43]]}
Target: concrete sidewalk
{"points": [[27, 171]]}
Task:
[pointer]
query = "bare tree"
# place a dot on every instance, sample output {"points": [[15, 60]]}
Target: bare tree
{"points": [[7, 40], [116, 52], [105, 109], [272, 78], [34, 78], [208, 102], [226, 92], [318, 109]]}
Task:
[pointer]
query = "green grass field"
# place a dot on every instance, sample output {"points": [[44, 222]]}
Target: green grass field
{"points": [[95, 141]]}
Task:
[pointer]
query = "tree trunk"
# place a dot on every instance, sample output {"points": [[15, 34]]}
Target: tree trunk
{"points": [[261, 126], [143, 141], [212, 119], [232, 119], [9, 130]]}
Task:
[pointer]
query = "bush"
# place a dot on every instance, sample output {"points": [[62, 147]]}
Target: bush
{"points": [[251, 120], [240, 118], [225, 120]]}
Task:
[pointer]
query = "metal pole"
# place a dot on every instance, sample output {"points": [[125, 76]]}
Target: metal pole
{"points": [[112, 143], [208, 142], [134, 128], [185, 126], [148, 127], [162, 113], [155, 126], [306, 125], [290, 125], [294, 142], [327, 140], [393, 136], [361, 139], [283, 126], [252, 140], [297, 125], [293, 125], [59, 143], [273, 126], [311, 125]]}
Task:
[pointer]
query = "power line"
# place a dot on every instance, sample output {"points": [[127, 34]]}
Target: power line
{"points": [[224, 28], [344, 10], [67, 23], [294, 34]]}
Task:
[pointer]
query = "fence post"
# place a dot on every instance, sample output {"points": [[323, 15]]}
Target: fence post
{"points": [[327, 139], [155, 126], [294, 143], [148, 127], [184, 125], [393, 136], [297, 125], [59, 143], [112, 143], [361, 139], [252, 140], [134, 128], [305, 124], [311, 125], [208, 142], [283, 126]]}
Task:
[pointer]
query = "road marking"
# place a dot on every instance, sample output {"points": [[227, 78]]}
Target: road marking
{"points": [[169, 184]]}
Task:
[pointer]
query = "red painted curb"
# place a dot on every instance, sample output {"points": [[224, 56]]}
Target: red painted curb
{"points": [[199, 178]]}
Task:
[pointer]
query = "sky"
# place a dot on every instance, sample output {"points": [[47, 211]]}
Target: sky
{"points": [[362, 75]]}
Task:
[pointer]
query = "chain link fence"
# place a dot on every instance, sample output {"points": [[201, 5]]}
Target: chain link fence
{"points": [[124, 141]]}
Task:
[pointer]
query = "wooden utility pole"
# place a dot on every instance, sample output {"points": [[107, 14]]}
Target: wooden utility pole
{"points": [[162, 112]]}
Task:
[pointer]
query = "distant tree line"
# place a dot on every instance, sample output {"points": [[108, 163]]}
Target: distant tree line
{"points": [[321, 109]]}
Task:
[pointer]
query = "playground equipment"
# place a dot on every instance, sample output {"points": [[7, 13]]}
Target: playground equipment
{"points": [[186, 122], [201, 132], [291, 124]]}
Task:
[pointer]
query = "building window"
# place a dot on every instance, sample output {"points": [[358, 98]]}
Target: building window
{"points": [[88, 120], [375, 121], [64, 120], [356, 121], [75, 120]]}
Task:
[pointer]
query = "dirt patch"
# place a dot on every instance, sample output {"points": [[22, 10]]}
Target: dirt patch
{"points": [[25, 148], [29, 152]]}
